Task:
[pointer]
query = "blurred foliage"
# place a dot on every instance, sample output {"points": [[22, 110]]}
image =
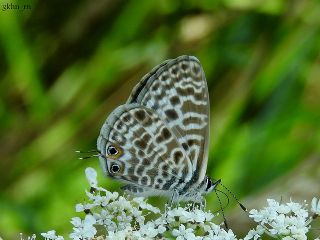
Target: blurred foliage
{"points": [[65, 65]]}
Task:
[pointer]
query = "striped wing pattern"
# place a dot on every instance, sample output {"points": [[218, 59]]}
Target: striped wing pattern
{"points": [[161, 134]]}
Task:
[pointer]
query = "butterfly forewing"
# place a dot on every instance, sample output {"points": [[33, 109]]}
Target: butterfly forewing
{"points": [[148, 153], [177, 91]]}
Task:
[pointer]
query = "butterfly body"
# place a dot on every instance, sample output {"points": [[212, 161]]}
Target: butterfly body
{"points": [[157, 142]]}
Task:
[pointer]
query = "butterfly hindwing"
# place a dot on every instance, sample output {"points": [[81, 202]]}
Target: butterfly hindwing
{"points": [[137, 147], [177, 91]]}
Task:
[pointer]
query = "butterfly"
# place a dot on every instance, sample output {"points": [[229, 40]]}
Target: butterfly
{"points": [[157, 142]]}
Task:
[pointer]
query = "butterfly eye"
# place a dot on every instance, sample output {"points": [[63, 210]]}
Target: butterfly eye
{"points": [[115, 168], [112, 150]]}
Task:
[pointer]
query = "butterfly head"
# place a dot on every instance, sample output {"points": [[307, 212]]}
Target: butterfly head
{"points": [[209, 185]]}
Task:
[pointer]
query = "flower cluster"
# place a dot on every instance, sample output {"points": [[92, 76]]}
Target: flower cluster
{"points": [[119, 217], [286, 221], [111, 216]]}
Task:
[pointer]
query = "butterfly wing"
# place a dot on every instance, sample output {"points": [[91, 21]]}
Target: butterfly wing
{"points": [[177, 90], [137, 147]]}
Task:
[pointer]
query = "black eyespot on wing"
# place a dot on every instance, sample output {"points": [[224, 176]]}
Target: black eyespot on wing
{"points": [[112, 150], [115, 168]]}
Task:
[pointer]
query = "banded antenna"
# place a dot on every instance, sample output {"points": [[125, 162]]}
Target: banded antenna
{"points": [[98, 153]]}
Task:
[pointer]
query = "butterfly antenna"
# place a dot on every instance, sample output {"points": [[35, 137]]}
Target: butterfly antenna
{"points": [[89, 151], [235, 198], [222, 209], [228, 201]]}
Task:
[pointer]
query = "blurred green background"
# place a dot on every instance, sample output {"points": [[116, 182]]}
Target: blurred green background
{"points": [[65, 65]]}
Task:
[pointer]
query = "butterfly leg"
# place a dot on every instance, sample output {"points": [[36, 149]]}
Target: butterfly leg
{"points": [[174, 197], [172, 201], [168, 205], [198, 205], [203, 204], [167, 209], [198, 202]]}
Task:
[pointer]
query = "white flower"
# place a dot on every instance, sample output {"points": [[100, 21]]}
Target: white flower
{"points": [[255, 233], [259, 216], [273, 203], [120, 217], [84, 207], [119, 235], [33, 237], [161, 229], [51, 235], [184, 215], [199, 216], [91, 175], [285, 220], [217, 233], [298, 209], [181, 213], [315, 206], [121, 204], [127, 233], [149, 230], [183, 233], [208, 216], [102, 201], [105, 218], [142, 203], [83, 229]]}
